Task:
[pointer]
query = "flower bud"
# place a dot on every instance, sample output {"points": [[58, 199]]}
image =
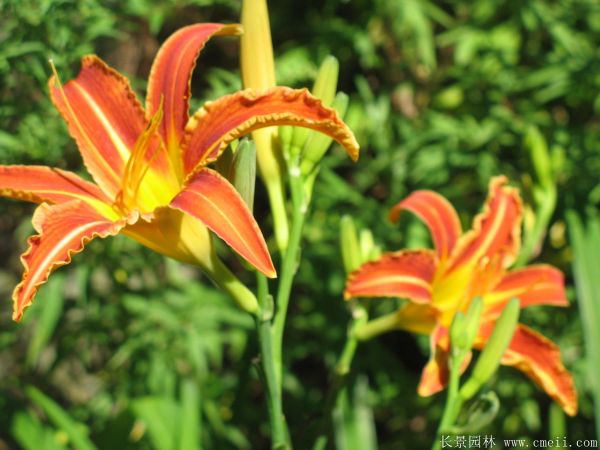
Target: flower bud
{"points": [[536, 144], [242, 172], [369, 251], [324, 89], [472, 321], [351, 251], [318, 143], [457, 332], [490, 357], [258, 72]]}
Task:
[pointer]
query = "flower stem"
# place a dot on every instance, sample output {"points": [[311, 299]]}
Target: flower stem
{"points": [[340, 376], [271, 320], [265, 337], [454, 402], [276, 193], [289, 265], [227, 281], [375, 327]]}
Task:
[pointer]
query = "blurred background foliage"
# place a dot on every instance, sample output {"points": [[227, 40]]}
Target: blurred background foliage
{"points": [[125, 349]]}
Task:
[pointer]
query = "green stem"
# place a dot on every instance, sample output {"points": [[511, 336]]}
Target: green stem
{"points": [[533, 239], [265, 337], [453, 402], [227, 281], [340, 378], [289, 264], [276, 193], [270, 328], [377, 326]]}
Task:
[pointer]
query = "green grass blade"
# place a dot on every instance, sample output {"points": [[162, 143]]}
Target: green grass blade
{"points": [[76, 432], [50, 307], [190, 427], [586, 248]]}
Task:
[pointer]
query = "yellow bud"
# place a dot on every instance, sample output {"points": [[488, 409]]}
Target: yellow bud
{"points": [[258, 72]]}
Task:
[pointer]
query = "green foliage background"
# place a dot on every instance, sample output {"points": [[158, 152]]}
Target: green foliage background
{"points": [[127, 350]]}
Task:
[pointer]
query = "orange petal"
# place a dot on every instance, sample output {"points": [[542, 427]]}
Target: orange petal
{"points": [[406, 274], [539, 358], [496, 233], [63, 230], [534, 285], [439, 216], [220, 122], [213, 200], [103, 116], [45, 184], [170, 79]]}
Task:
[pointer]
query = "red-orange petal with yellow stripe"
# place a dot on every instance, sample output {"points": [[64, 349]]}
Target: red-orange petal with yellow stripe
{"points": [[405, 274], [539, 358], [46, 184], [63, 230], [434, 376], [538, 284], [437, 213], [211, 199], [218, 123], [171, 72], [104, 117], [496, 231]]}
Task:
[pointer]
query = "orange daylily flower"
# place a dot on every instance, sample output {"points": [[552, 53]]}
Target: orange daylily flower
{"points": [[150, 169], [465, 266]]}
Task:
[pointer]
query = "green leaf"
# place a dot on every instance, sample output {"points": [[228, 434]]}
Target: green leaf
{"points": [[75, 431], [31, 434], [161, 416], [586, 248], [354, 424], [49, 307], [190, 425]]}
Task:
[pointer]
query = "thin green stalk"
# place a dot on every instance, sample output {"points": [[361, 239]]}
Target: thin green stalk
{"points": [[377, 326], [269, 365], [276, 193], [289, 264], [543, 216], [453, 403], [340, 377]]}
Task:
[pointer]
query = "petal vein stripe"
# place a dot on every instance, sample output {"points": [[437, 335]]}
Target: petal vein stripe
{"points": [[170, 77], [104, 117], [439, 216], [496, 231], [214, 201], [407, 273], [218, 123], [44, 184], [63, 230], [539, 358], [539, 284]]}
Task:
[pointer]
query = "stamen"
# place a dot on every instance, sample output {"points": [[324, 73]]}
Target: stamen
{"points": [[137, 168]]}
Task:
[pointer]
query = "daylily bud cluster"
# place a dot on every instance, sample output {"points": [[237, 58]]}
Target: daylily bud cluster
{"points": [[356, 248], [306, 146], [464, 328], [490, 357]]}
